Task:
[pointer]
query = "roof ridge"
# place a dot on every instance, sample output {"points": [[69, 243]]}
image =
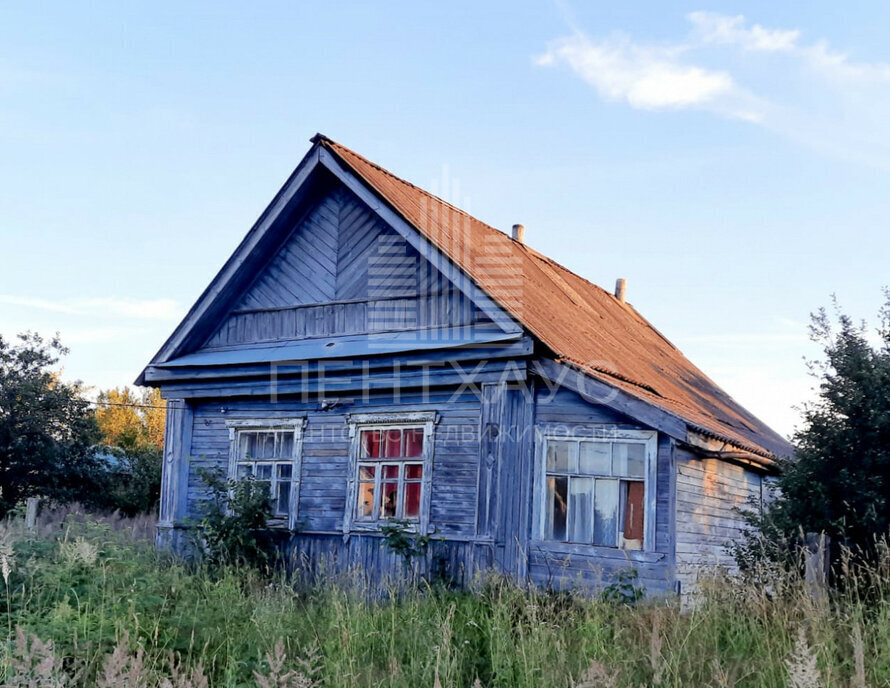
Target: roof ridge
{"points": [[330, 142]]}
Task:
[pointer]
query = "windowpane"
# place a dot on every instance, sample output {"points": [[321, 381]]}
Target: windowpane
{"points": [[391, 471], [283, 506], [389, 499], [414, 442], [559, 456], [412, 500], [246, 445], [285, 471], [595, 458], [629, 459], [581, 510], [371, 444], [264, 445], [365, 505], [414, 471], [393, 444], [244, 470], [557, 489], [605, 518], [285, 445], [632, 528], [263, 471], [366, 472]]}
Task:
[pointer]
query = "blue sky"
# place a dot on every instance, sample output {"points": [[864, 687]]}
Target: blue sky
{"points": [[729, 159]]}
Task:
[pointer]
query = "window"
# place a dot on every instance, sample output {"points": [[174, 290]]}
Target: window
{"points": [[270, 453], [390, 474], [596, 492], [391, 464]]}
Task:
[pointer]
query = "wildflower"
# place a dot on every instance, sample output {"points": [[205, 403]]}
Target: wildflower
{"points": [[803, 669], [81, 552]]}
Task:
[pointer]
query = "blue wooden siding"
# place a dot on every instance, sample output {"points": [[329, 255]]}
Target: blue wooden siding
{"points": [[710, 495], [326, 452], [563, 566], [481, 491], [363, 560], [343, 271]]}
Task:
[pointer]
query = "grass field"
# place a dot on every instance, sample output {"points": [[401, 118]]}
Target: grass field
{"points": [[89, 602]]}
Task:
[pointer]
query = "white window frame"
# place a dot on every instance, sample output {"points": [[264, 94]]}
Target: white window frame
{"points": [[359, 422], [296, 425], [649, 438]]}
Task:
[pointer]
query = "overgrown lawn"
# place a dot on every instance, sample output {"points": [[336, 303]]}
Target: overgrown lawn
{"points": [[89, 602]]}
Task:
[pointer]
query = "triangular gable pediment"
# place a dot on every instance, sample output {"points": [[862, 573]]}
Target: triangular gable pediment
{"points": [[324, 239], [343, 271]]}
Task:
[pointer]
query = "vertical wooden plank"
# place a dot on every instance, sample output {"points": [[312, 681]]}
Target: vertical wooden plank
{"points": [[297, 477], [514, 479], [668, 505], [174, 471], [523, 422], [489, 430]]}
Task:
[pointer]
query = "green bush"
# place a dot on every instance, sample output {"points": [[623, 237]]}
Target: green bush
{"points": [[232, 529]]}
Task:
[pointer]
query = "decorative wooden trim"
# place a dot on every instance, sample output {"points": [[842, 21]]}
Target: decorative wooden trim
{"points": [[392, 418], [277, 424]]}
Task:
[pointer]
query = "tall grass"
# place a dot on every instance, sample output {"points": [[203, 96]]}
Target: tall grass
{"points": [[90, 602]]}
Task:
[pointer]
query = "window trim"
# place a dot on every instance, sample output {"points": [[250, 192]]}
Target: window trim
{"points": [[357, 422], [272, 425], [603, 434]]}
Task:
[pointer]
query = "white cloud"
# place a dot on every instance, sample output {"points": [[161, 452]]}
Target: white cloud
{"points": [[645, 76], [148, 309], [821, 98], [722, 29]]}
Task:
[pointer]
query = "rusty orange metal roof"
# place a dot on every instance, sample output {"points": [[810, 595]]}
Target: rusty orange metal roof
{"points": [[581, 323]]}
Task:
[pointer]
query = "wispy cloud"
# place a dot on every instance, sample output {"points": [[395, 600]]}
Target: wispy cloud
{"points": [[647, 77], [722, 29], [148, 309], [819, 96]]}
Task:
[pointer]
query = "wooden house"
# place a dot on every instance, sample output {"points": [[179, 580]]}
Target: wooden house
{"points": [[372, 352]]}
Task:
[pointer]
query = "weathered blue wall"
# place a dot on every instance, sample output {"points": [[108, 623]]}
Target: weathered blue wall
{"points": [[564, 565], [325, 456], [481, 489], [711, 494]]}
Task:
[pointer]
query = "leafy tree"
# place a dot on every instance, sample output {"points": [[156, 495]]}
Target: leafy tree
{"points": [[839, 481], [132, 425], [47, 429], [131, 420]]}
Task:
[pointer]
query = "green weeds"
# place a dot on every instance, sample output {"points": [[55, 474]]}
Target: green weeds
{"points": [[89, 603]]}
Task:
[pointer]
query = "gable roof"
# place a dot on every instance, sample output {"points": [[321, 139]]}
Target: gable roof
{"points": [[585, 327], [581, 323]]}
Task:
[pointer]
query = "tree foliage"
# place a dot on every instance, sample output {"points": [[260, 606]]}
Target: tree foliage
{"points": [[131, 419], [47, 429], [839, 481], [132, 426]]}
